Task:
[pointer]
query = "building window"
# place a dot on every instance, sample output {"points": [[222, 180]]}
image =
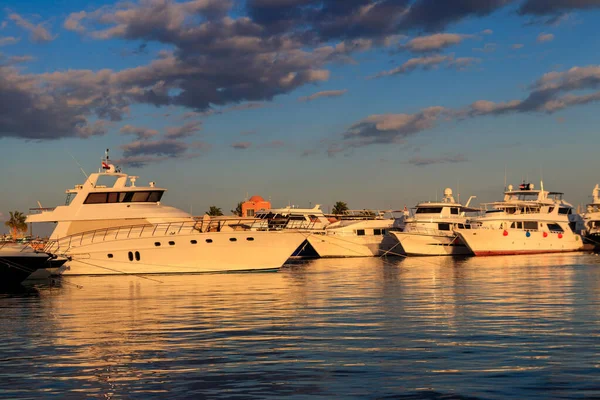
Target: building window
{"points": [[250, 213]]}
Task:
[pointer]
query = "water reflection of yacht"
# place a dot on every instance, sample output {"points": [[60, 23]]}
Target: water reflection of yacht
{"points": [[526, 221], [431, 231], [124, 228], [592, 219]]}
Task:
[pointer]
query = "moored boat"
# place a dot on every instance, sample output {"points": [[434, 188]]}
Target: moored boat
{"points": [[527, 221], [431, 231], [111, 226]]}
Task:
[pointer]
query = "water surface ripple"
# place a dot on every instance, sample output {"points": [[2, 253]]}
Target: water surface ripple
{"points": [[433, 328]]}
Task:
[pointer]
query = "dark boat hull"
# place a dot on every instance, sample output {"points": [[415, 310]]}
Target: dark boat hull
{"points": [[14, 269]]}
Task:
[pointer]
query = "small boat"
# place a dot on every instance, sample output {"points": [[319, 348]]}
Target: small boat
{"points": [[18, 262]]}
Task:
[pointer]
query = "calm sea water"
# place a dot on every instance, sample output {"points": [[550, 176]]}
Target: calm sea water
{"points": [[478, 328]]}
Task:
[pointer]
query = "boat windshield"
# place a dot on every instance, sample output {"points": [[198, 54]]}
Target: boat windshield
{"points": [[124, 197], [70, 197]]}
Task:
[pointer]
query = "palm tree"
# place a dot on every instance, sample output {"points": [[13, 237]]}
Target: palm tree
{"points": [[16, 223], [214, 211], [340, 207], [238, 209]]}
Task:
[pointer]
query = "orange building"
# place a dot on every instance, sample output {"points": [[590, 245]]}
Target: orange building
{"points": [[250, 207]]}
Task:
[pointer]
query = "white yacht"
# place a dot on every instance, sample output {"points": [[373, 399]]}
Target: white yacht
{"points": [[356, 235], [591, 219], [431, 231], [527, 221], [111, 226]]}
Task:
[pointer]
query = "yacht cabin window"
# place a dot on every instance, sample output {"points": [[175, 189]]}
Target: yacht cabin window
{"points": [[70, 197], [429, 210], [530, 225], [124, 197], [564, 210], [444, 226], [360, 232], [454, 210], [555, 228]]}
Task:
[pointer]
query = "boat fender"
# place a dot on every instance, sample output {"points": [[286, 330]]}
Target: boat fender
{"points": [[505, 233], [545, 234], [560, 235], [528, 234]]}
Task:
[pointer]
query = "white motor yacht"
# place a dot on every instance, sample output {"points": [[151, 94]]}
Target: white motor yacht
{"points": [[591, 219], [527, 221], [431, 231], [111, 226], [357, 233]]}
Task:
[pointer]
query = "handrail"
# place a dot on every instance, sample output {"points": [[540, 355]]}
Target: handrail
{"points": [[161, 229]]}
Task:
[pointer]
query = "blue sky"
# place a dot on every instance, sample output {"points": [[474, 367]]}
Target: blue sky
{"points": [[377, 103]]}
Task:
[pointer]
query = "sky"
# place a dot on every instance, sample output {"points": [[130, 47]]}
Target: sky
{"points": [[380, 104]]}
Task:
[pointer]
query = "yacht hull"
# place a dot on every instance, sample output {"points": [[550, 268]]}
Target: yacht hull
{"points": [[492, 242], [15, 268], [416, 244], [189, 253], [337, 246]]}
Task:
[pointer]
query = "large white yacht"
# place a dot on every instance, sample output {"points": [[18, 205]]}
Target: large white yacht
{"points": [[121, 228], [431, 231], [591, 218], [527, 221]]}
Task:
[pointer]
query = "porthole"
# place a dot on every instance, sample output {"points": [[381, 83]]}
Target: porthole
{"points": [[193, 241], [130, 254], [208, 240], [171, 243], [137, 256], [232, 239], [250, 239], [110, 255], [157, 244]]}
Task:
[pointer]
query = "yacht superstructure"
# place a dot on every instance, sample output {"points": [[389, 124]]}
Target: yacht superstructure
{"points": [[111, 226], [430, 232], [527, 221]]}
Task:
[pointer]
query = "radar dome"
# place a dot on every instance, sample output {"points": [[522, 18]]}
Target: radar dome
{"points": [[447, 192], [510, 188]]}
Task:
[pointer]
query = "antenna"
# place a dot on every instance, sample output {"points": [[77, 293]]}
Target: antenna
{"points": [[77, 162], [505, 177]]}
